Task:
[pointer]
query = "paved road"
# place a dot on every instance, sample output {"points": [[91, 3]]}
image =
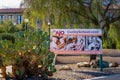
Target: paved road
{"points": [[111, 77]]}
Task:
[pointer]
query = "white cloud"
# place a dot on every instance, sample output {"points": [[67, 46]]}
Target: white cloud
{"points": [[10, 3]]}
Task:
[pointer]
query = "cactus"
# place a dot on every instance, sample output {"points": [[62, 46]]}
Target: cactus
{"points": [[30, 49]]}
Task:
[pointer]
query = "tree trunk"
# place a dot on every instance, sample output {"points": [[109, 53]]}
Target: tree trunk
{"points": [[93, 57]]}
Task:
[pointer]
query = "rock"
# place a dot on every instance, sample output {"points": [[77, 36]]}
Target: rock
{"points": [[93, 64], [83, 64], [9, 70], [115, 64], [65, 67], [39, 66]]}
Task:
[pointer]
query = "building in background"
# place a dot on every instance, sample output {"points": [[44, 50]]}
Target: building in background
{"points": [[13, 14]]}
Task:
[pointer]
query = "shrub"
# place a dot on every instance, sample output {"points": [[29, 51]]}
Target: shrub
{"points": [[29, 55], [8, 37], [8, 27]]}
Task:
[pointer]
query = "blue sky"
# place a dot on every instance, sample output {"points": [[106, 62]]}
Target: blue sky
{"points": [[9, 3]]}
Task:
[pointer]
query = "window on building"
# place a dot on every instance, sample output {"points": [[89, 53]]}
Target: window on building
{"points": [[10, 17], [19, 19], [2, 18]]}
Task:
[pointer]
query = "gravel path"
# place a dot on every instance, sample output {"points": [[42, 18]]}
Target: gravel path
{"points": [[82, 73]]}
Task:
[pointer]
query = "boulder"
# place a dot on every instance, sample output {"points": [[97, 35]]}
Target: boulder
{"points": [[115, 64], [65, 67], [9, 70], [93, 64], [83, 64]]}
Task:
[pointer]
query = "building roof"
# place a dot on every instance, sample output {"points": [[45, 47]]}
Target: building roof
{"points": [[12, 10]]}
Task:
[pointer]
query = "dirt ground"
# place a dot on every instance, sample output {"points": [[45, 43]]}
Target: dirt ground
{"points": [[76, 73], [110, 55]]}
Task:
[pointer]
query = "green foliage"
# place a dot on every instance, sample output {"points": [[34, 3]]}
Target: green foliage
{"points": [[72, 13], [116, 33], [26, 50], [8, 37], [8, 27], [112, 41], [36, 52]]}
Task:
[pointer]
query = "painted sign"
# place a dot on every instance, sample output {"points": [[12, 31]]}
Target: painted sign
{"points": [[76, 41]]}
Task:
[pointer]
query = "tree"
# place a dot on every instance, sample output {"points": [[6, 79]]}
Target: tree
{"points": [[98, 13]]}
